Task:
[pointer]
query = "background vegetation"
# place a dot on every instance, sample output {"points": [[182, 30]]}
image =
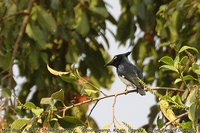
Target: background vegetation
{"points": [[64, 34]]}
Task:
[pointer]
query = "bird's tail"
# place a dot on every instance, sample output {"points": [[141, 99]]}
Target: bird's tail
{"points": [[141, 91]]}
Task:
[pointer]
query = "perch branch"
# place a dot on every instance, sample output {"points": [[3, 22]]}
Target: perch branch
{"points": [[115, 95], [98, 99]]}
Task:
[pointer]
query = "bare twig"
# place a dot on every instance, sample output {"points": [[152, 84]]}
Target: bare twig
{"points": [[170, 122], [113, 110], [87, 120], [93, 108], [98, 99]]}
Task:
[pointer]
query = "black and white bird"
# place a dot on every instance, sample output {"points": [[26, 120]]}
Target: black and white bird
{"points": [[127, 72]]}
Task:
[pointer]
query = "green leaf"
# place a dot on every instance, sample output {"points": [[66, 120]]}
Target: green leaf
{"points": [[195, 68], [33, 59], [37, 35], [46, 100], [37, 111], [59, 95], [100, 10], [19, 124], [184, 60], [175, 23], [165, 44], [123, 28], [177, 80], [69, 79], [178, 100], [167, 60], [191, 112], [169, 67], [177, 61], [90, 91], [5, 60], [46, 19], [192, 97], [187, 77], [160, 122], [167, 111], [30, 105], [6, 93], [188, 47], [162, 9], [44, 57], [142, 50], [168, 98], [186, 125], [72, 55], [185, 95], [69, 122], [82, 23]]}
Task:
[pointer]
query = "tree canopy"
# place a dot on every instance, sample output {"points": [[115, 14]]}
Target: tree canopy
{"points": [[55, 46]]}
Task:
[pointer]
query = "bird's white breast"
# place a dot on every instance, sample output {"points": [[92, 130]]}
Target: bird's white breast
{"points": [[125, 81]]}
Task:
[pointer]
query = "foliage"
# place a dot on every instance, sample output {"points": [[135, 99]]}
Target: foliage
{"points": [[65, 35], [61, 33]]}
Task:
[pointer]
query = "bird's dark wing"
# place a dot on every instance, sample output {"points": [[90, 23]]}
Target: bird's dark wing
{"points": [[130, 73], [139, 73]]}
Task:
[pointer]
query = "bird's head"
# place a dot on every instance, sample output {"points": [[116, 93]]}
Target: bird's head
{"points": [[117, 59]]}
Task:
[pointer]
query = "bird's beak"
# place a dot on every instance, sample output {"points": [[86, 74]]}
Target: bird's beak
{"points": [[127, 54], [109, 63]]}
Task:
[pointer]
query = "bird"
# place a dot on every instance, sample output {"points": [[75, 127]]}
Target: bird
{"points": [[127, 72]]}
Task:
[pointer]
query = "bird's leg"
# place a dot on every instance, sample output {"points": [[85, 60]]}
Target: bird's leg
{"points": [[126, 90]]}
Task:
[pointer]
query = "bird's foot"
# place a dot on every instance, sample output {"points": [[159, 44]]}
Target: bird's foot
{"points": [[126, 91]]}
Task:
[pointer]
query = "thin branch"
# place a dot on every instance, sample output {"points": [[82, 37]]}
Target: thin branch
{"points": [[113, 95], [19, 37], [98, 99], [24, 12], [113, 110], [93, 108], [170, 122], [87, 120], [17, 42]]}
